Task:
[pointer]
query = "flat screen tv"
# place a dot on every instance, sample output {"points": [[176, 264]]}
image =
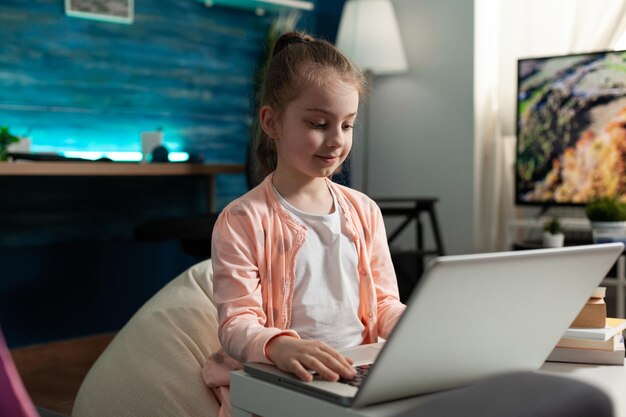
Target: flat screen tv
{"points": [[571, 128]]}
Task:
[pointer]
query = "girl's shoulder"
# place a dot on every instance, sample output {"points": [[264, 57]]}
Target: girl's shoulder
{"points": [[258, 204]]}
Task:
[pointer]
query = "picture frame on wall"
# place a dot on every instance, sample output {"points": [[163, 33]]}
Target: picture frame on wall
{"points": [[116, 11]]}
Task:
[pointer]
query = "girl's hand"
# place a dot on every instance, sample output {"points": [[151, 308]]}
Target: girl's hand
{"points": [[299, 357]]}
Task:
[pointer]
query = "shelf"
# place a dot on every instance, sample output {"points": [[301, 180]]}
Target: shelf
{"points": [[260, 7], [114, 169], [122, 169], [580, 224]]}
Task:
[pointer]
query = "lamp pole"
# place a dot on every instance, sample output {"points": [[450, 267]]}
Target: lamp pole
{"points": [[368, 33], [369, 76]]}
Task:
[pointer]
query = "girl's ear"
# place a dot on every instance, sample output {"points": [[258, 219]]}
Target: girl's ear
{"points": [[267, 117]]}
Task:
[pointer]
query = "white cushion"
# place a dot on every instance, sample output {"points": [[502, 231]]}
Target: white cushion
{"points": [[153, 365]]}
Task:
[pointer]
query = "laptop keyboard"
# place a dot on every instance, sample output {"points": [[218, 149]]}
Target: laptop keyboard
{"points": [[361, 374]]}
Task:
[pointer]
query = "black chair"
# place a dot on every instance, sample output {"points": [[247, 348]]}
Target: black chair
{"points": [[409, 264]]}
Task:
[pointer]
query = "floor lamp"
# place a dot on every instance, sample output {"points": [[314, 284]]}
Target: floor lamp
{"points": [[368, 33]]}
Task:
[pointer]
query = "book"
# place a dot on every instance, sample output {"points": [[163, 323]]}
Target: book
{"points": [[574, 343], [613, 326], [591, 356], [593, 314], [599, 292]]}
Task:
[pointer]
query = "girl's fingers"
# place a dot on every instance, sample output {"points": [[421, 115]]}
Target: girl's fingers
{"points": [[315, 364], [336, 364], [345, 369], [299, 356], [340, 363], [300, 371]]}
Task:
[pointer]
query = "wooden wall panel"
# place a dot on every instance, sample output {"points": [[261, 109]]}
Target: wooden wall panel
{"points": [[77, 84]]}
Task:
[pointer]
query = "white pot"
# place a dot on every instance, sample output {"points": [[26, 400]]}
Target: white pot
{"points": [[553, 240], [603, 232]]}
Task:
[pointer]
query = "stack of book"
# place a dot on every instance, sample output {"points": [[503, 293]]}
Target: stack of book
{"points": [[593, 313], [592, 337]]}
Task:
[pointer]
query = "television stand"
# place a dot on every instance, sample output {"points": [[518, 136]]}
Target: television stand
{"points": [[526, 233]]}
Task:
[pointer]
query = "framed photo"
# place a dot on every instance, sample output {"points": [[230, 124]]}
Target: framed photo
{"points": [[117, 11]]}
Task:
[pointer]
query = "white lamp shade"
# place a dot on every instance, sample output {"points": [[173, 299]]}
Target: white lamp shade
{"points": [[368, 34]]}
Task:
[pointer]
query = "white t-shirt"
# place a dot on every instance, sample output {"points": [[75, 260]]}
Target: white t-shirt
{"points": [[327, 288]]}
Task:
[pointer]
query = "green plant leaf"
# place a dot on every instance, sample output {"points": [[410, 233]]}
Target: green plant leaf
{"points": [[606, 209]]}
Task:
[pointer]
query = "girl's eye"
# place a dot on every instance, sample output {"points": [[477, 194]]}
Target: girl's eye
{"points": [[320, 125], [347, 127]]}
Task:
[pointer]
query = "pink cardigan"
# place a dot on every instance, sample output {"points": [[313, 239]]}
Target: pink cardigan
{"points": [[255, 243]]}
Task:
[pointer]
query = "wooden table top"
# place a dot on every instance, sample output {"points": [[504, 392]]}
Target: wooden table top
{"points": [[115, 168]]}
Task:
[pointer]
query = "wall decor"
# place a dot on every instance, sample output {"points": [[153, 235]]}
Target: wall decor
{"points": [[117, 11]]}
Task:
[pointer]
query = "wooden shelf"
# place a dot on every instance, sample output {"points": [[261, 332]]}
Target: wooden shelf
{"points": [[122, 169], [115, 169]]}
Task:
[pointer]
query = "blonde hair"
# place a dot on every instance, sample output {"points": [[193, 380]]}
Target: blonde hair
{"points": [[298, 60]]}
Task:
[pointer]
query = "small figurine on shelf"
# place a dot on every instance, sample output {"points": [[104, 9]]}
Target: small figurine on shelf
{"points": [[553, 236]]}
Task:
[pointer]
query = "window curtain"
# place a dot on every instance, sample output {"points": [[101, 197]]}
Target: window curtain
{"points": [[505, 31]]}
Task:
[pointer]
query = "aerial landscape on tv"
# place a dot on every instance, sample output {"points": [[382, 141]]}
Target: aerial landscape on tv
{"points": [[571, 128]]}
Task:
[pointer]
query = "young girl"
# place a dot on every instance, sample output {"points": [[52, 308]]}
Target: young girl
{"points": [[301, 264]]}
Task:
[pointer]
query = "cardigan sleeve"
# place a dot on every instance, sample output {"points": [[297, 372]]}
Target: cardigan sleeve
{"points": [[388, 305], [236, 246]]}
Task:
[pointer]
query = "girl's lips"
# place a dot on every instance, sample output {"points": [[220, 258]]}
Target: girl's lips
{"points": [[330, 157]]}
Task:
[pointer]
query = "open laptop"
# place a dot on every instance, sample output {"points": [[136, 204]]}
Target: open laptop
{"points": [[470, 317]]}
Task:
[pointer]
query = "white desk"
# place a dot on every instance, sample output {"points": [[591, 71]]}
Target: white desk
{"points": [[250, 396]]}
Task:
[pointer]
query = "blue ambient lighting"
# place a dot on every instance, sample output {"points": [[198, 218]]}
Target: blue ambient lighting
{"points": [[121, 156]]}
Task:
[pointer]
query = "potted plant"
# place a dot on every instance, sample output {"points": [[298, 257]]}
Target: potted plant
{"points": [[553, 236], [6, 138], [608, 219]]}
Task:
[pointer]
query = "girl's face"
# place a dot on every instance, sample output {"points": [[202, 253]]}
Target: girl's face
{"points": [[314, 135]]}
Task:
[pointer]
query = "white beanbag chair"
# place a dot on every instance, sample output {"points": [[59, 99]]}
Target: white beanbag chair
{"points": [[153, 365]]}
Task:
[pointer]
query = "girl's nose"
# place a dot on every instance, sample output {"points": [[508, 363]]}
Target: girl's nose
{"points": [[336, 138]]}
